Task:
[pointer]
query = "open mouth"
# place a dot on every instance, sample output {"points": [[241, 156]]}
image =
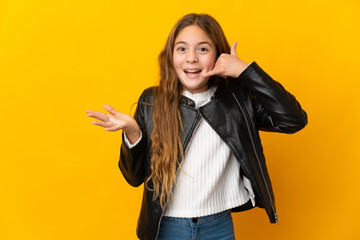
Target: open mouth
{"points": [[192, 71]]}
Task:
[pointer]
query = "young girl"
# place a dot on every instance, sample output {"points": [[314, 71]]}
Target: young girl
{"points": [[203, 119]]}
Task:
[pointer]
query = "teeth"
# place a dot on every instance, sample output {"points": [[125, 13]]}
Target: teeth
{"points": [[192, 71]]}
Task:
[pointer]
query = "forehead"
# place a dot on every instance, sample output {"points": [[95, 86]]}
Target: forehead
{"points": [[193, 35]]}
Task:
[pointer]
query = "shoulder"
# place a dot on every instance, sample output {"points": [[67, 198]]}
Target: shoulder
{"points": [[148, 95], [230, 86]]}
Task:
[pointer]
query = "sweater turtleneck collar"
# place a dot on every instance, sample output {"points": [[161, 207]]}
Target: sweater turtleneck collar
{"points": [[202, 98]]}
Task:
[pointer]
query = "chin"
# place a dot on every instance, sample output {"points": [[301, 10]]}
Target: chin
{"points": [[196, 89]]}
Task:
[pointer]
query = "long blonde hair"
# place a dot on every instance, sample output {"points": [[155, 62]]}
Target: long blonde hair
{"points": [[167, 149]]}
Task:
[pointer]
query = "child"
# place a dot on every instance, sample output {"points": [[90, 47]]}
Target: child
{"points": [[203, 119]]}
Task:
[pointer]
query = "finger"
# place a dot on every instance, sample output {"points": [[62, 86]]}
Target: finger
{"points": [[98, 115], [112, 129], [233, 49], [103, 124], [110, 109], [210, 73], [207, 74]]}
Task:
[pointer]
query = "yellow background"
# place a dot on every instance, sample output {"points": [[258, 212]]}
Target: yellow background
{"points": [[59, 177]]}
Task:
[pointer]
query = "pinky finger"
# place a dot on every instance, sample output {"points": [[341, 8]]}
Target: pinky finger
{"points": [[112, 129]]}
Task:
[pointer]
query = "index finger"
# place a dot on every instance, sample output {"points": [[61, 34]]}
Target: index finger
{"points": [[98, 115]]}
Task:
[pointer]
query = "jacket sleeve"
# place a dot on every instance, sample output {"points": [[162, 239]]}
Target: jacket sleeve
{"points": [[275, 108], [132, 159]]}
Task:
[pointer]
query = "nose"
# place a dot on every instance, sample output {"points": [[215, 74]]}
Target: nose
{"points": [[192, 57]]}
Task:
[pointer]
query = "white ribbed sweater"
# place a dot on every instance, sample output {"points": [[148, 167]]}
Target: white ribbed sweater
{"points": [[210, 180]]}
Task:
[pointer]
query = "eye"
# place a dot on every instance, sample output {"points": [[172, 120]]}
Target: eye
{"points": [[203, 49], [181, 49]]}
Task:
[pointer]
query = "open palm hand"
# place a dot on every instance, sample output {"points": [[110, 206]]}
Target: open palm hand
{"points": [[114, 121]]}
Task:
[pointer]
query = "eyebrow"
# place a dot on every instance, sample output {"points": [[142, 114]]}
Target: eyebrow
{"points": [[182, 42]]}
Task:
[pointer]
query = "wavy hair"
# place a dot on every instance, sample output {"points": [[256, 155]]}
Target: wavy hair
{"points": [[167, 149]]}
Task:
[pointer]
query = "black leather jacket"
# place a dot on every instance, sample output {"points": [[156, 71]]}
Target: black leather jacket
{"points": [[236, 111]]}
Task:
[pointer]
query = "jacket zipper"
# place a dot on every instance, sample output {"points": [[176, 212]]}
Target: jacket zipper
{"points": [[197, 119], [245, 113]]}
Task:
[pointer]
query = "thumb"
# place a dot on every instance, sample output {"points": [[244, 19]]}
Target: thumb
{"points": [[110, 109], [233, 49]]}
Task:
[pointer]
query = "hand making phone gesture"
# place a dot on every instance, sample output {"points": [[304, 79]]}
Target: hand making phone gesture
{"points": [[228, 65], [116, 121]]}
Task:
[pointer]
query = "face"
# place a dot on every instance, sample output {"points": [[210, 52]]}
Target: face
{"points": [[194, 54]]}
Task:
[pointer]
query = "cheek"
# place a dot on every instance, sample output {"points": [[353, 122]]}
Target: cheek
{"points": [[177, 62], [210, 62]]}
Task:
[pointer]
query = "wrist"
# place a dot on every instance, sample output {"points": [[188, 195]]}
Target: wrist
{"points": [[247, 70], [132, 133], [241, 68], [133, 137], [127, 142]]}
